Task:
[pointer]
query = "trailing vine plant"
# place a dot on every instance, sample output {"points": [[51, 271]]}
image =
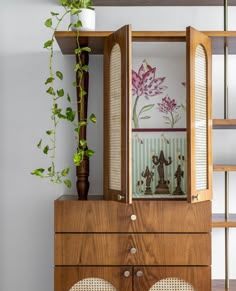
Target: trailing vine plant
{"points": [[49, 147]]}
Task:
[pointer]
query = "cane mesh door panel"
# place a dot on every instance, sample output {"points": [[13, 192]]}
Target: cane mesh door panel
{"points": [[93, 284], [172, 284], [199, 116], [200, 119], [114, 108], [117, 116]]}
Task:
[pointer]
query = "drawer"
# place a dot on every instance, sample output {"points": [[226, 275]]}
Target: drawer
{"points": [[148, 249], [151, 216], [66, 277]]}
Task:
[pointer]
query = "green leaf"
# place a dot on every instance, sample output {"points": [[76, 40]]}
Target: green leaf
{"points": [[63, 2], [68, 98], [49, 169], [74, 11], [83, 143], [48, 22], [39, 144], [89, 153], [50, 91], [60, 92], [54, 14], [74, 84], [48, 43], [49, 80], [59, 75], [78, 24], [67, 183], [78, 51], [93, 118], [46, 149], [145, 117], [76, 129], [38, 172], [69, 26], [77, 67], [49, 132], [78, 157], [65, 172], [70, 114], [83, 123], [146, 108], [85, 68], [86, 49]]}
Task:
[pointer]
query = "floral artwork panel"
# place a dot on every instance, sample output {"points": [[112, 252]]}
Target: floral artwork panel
{"points": [[146, 145], [158, 92]]}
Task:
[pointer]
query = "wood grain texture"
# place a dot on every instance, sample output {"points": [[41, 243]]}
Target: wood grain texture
{"points": [[224, 168], [224, 123], [152, 216], [162, 3], [122, 38], [114, 249], [198, 277], [66, 277], [218, 220], [219, 285], [95, 39], [194, 39]]}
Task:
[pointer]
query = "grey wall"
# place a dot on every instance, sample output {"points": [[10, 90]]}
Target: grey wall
{"points": [[26, 204]]}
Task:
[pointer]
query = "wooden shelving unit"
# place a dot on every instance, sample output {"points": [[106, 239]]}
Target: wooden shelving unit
{"points": [[219, 220], [95, 40], [224, 168], [219, 285], [224, 123], [162, 3]]}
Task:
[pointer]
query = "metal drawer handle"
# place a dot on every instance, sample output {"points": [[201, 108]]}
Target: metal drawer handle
{"points": [[133, 217], [133, 250], [196, 197], [120, 197], [139, 274], [126, 274]]}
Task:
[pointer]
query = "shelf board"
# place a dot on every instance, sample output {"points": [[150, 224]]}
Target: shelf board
{"points": [[224, 123], [95, 39], [218, 220], [224, 168], [162, 3], [219, 285]]}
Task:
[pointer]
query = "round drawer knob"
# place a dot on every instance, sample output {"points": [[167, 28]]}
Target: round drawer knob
{"points": [[139, 274], [126, 274], [133, 217], [133, 250]]}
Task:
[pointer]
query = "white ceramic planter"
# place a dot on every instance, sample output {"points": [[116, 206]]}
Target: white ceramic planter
{"points": [[87, 17]]}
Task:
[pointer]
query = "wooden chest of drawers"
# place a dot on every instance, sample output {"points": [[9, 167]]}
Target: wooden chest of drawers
{"points": [[132, 246]]}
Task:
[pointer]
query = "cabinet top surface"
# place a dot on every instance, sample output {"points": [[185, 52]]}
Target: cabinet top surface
{"points": [[163, 3], [95, 39]]}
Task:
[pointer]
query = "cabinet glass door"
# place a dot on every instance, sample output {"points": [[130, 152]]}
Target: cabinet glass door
{"points": [[117, 116], [199, 116]]}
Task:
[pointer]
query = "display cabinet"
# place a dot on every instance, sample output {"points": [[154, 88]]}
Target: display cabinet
{"points": [[143, 241]]}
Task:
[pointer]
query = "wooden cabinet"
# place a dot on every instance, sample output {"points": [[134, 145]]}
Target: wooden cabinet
{"points": [[133, 246], [138, 244]]}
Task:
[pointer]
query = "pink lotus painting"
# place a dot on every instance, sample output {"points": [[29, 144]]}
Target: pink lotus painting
{"points": [[145, 84]]}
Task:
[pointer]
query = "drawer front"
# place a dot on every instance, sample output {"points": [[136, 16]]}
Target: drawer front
{"points": [[120, 278], [132, 249], [141, 216]]}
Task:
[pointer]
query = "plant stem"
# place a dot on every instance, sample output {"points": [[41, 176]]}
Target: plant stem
{"points": [[135, 116], [172, 120], [55, 121]]}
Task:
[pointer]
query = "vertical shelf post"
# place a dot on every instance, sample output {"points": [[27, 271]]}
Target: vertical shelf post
{"points": [[82, 171], [226, 53]]}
